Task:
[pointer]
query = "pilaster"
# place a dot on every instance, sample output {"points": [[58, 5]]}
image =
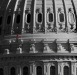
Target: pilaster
{"points": [[6, 72], [32, 69], [60, 68], [73, 68], [19, 70]]}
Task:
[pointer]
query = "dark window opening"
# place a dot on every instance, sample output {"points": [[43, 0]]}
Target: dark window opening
{"points": [[8, 19], [28, 18], [61, 15], [0, 20], [40, 17], [52, 70], [39, 70], [13, 71], [1, 71], [66, 70], [50, 16], [18, 19], [25, 71], [0, 30]]}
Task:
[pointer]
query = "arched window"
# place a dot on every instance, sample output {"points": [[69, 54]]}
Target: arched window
{"points": [[39, 17], [9, 19], [1, 71], [12, 71], [18, 19], [50, 16], [39, 70], [52, 70], [66, 70], [28, 18], [61, 16], [25, 71], [0, 20]]}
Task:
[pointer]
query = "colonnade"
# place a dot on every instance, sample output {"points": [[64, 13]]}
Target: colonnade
{"points": [[41, 68]]}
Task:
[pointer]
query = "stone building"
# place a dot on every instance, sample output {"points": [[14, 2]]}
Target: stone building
{"points": [[38, 37]]}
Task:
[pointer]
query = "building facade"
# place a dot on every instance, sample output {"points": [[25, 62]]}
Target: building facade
{"points": [[38, 37]]}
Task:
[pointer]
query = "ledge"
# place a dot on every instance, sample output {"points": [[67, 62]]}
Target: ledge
{"points": [[39, 54]]}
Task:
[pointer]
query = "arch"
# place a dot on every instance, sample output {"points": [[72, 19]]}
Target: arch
{"points": [[12, 71], [39, 70], [1, 71], [52, 70], [28, 18], [1, 20], [25, 71], [8, 19], [66, 70], [18, 19], [39, 17]]}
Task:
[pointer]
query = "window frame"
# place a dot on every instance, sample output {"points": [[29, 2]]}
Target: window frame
{"points": [[23, 70], [1, 20], [59, 17], [11, 68], [2, 70], [17, 18], [68, 69], [52, 69], [37, 17], [10, 19], [48, 18], [37, 69], [26, 17], [74, 19]]}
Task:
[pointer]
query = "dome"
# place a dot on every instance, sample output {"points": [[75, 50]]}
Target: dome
{"points": [[38, 25], [38, 37]]}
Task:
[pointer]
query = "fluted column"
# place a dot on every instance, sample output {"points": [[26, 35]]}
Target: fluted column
{"points": [[32, 69], [19, 70]]}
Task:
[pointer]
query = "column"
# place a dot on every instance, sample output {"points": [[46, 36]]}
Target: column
{"points": [[73, 68], [32, 69], [60, 68], [19, 70], [44, 15]]}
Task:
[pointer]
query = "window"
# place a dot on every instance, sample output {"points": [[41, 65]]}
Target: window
{"points": [[61, 16], [28, 18], [0, 20], [25, 71], [50, 16], [39, 17], [13, 71], [52, 70], [0, 30], [18, 19], [66, 70], [1, 71], [9, 19], [39, 70]]}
